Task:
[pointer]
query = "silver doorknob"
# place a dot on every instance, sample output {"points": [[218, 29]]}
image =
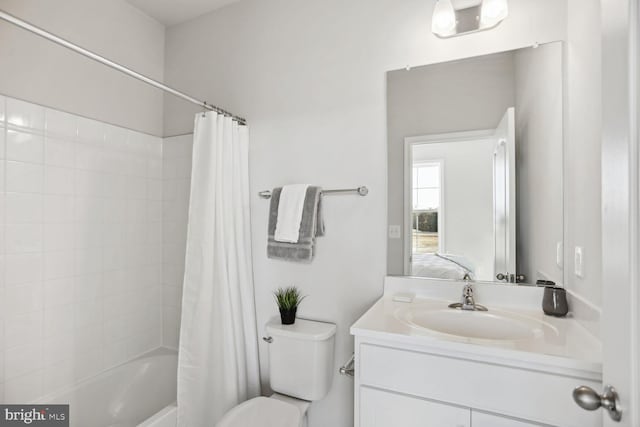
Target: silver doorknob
{"points": [[587, 398], [267, 339]]}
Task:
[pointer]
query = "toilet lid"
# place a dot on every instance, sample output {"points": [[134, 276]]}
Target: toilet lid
{"points": [[262, 412]]}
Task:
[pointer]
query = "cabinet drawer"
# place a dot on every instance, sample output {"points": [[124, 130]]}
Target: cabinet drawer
{"points": [[530, 395], [380, 408], [480, 419]]}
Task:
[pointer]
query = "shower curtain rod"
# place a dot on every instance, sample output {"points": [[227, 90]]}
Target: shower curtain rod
{"points": [[101, 59]]}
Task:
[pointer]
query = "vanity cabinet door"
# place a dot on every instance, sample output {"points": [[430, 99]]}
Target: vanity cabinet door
{"points": [[386, 409], [480, 419]]}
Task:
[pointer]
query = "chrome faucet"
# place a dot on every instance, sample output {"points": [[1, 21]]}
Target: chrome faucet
{"points": [[468, 302]]}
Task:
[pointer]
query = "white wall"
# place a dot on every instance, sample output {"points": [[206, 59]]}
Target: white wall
{"points": [[468, 199], [36, 70], [466, 95], [176, 181], [583, 124], [539, 161], [310, 78], [81, 248]]}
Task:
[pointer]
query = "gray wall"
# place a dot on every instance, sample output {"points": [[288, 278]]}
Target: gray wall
{"points": [[310, 78], [539, 161], [583, 124], [470, 94], [38, 71]]}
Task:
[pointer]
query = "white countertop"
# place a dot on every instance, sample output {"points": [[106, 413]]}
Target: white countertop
{"points": [[566, 348]]}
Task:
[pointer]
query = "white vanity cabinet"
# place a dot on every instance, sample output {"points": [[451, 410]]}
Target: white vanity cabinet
{"points": [[412, 385], [380, 408]]}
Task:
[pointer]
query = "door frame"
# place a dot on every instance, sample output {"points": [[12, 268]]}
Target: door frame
{"points": [[620, 329], [409, 142]]}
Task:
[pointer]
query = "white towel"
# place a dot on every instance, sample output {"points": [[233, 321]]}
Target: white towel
{"points": [[290, 213]]}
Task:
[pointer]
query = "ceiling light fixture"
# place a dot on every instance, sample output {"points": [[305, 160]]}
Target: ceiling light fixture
{"points": [[443, 22], [473, 16]]}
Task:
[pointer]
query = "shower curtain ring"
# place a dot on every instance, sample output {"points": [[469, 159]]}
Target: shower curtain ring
{"points": [[204, 111]]}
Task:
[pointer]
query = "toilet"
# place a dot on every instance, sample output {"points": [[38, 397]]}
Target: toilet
{"points": [[301, 360]]}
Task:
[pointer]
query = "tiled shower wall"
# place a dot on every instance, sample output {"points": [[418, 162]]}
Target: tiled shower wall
{"points": [[176, 183], [80, 248]]}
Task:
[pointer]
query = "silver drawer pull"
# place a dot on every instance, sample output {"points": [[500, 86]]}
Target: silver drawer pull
{"points": [[267, 339]]}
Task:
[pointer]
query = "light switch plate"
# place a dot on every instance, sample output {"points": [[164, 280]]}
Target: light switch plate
{"points": [[578, 262], [394, 231]]}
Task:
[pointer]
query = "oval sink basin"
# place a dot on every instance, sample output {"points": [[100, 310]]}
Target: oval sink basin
{"points": [[487, 325]]}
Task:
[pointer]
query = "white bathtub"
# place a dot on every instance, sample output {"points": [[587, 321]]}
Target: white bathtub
{"points": [[126, 395]]}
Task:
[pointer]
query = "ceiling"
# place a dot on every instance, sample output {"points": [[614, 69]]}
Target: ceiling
{"points": [[172, 12]]}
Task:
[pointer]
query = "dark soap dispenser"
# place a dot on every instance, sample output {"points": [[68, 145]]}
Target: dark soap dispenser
{"points": [[554, 300]]}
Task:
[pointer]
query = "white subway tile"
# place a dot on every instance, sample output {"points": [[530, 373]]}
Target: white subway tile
{"points": [[24, 115], [59, 264], [88, 261], [59, 237], [24, 177], [88, 364], [115, 353], [91, 131], [116, 138], [137, 166], [3, 141], [59, 208], [23, 268], [88, 157], [59, 321], [154, 168], [116, 329], [24, 146], [61, 125], [22, 329], [23, 389], [23, 360], [58, 376], [24, 207], [58, 152], [22, 299], [21, 238], [58, 292], [60, 181], [136, 187], [136, 211], [88, 235], [90, 210], [89, 183], [154, 189], [88, 288], [113, 258], [154, 210], [58, 348]]}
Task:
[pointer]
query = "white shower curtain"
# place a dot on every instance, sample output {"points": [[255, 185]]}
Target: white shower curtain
{"points": [[218, 352]]}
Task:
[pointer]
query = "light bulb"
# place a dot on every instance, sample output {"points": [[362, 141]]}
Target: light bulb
{"points": [[493, 11], [444, 18]]}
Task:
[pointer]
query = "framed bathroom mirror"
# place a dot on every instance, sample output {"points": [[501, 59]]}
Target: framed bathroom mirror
{"points": [[475, 152]]}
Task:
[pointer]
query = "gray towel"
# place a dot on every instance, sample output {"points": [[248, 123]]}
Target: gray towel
{"points": [[311, 226]]}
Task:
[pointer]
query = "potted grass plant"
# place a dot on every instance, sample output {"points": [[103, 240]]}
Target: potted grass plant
{"points": [[288, 300]]}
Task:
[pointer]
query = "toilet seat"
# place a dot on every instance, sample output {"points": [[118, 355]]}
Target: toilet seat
{"points": [[262, 412]]}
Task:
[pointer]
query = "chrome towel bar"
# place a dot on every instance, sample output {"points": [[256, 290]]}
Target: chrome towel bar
{"points": [[362, 191]]}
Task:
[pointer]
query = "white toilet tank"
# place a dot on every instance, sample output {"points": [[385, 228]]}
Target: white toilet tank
{"points": [[301, 358]]}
